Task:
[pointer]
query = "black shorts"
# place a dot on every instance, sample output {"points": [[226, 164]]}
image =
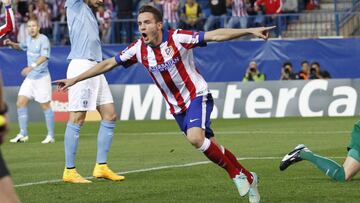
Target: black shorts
{"points": [[3, 170]]}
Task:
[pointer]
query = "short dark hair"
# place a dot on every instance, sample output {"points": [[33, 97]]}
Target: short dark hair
{"points": [[303, 62], [150, 9], [315, 63], [287, 63]]}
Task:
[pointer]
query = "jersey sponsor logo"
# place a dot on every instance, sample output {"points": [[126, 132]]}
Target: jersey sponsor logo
{"points": [[164, 66]]}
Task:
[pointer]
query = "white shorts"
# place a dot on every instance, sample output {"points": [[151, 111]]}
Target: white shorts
{"points": [[90, 93], [37, 89]]}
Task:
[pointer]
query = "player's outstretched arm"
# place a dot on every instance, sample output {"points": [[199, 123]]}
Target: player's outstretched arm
{"points": [[225, 34], [98, 69], [12, 44]]}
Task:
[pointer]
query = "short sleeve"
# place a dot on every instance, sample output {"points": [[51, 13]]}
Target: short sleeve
{"points": [[45, 47], [127, 57], [189, 39], [23, 45]]}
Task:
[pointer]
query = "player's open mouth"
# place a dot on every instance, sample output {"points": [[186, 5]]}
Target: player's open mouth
{"points": [[144, 35]]}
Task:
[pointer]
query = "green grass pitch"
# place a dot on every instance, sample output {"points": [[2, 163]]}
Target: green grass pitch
{"points": [[154, 154]]}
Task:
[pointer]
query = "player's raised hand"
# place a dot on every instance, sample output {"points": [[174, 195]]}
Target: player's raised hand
{"points": [[64, 84], [261, 32], [6, 2]]}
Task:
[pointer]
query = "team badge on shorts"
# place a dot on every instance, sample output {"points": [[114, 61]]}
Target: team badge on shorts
{"points": [[85, 95]]}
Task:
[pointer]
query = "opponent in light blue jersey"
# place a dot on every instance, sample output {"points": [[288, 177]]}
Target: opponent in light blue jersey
{"points": [[36, 48], [83, 30], [37, 84], [93, 94]]}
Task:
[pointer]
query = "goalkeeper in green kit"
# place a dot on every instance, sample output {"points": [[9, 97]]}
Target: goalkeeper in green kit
{"points": [[329, 167]]}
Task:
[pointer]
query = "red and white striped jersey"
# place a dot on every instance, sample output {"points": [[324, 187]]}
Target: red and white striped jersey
{"points": [[44, 17], [9, 25], [238, 8], [170, 10], [171, 66]]}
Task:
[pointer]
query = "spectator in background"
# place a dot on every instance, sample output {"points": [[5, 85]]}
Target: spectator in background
{"points": [[290, 6], [317, 73], [108, 5], [272, 8], [44, 16], [239, 14], [124, 31], [156, 4], [312, 4], [218, 14], [60, 33], [253, 74], [191, 16], [104, 18], [22, 7], [287, 72], [305, 71], [255, 14], [170, 13]]}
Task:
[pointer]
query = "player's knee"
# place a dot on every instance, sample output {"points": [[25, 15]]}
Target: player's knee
{"points": [[45, 106], [20, 104], [78, 119], [110, 117], [195, 139]]}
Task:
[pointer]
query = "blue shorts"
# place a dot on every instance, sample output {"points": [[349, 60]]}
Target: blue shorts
{"points": [[197, 115]]}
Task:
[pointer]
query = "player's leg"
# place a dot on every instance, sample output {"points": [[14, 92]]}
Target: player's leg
{"points": [[43, 96], [196, 121], [71, 140], [252, 178], [326, 165], [106, 108], [22, 110], [81, 100], [7, 192], [196, 136], [106, 131], [50, 123], [233, 160], [351, 164]]}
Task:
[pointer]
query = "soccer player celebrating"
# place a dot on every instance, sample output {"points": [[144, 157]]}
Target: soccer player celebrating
{"points": [[168, 58], [349, 169], [7, 192], [88, 95], [37, 84]]}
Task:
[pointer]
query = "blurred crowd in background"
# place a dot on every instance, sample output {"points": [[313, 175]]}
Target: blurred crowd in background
{"points": [[117, 18]]}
